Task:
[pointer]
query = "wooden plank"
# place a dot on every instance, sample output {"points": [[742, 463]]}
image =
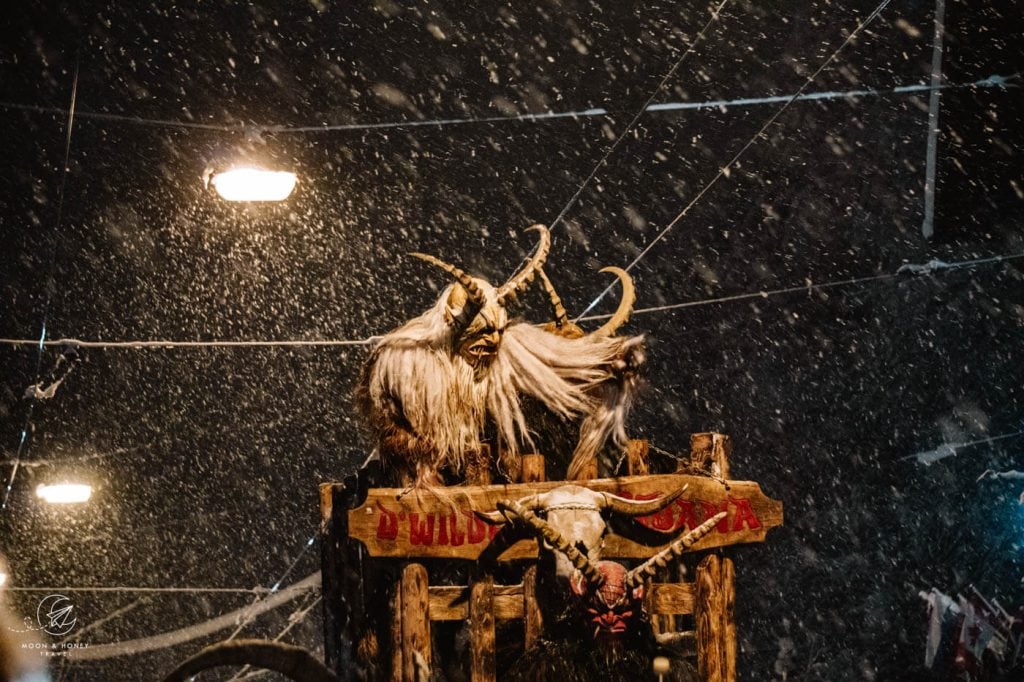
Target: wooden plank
{"points": [[441, 523], [638, 457], [481, 630], [672, 598], [709, 607], [416, 654], [452, 602], [533, 619], [729, 619]]}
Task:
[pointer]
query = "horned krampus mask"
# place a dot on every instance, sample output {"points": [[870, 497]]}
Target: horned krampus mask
{"points": [[569, 521], [478, 309], [433, 386]]}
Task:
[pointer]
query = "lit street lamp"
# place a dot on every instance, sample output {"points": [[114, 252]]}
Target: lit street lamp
{"points": [[64, 493], [252, 184]]}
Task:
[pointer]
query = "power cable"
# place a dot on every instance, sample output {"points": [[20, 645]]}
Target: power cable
{"points": [[636, 117], [908, 269], [34, 397], [724, 170]]}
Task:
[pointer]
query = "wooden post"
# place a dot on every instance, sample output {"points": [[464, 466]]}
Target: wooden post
{"points": [[396, 633], [533, 620], [345, 585], [638, 457], [588, 472], [533, 469], [729, 619], [711, 451], [481, 630], [333, 599], [478, 466], [415, 624], [709, 608]]}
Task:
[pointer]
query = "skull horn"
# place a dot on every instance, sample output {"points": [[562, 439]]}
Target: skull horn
{"points": [[474, 292], [561, 316], [649, 568], [519, 281], [627, 507], [506, 513], [578, 559], [625, 305]]}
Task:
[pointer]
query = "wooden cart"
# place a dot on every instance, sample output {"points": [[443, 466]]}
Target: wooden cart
{"points": [[381, 545]]}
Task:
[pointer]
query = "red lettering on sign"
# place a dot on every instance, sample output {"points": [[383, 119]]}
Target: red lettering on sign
{"points": [[457, 536], [688, 518], [387, 528], [745, 516], [442, 531], [679, 516], [477, 530], [421, 533], [710, 509]]}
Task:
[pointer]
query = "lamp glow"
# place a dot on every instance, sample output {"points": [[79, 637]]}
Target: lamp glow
{"points": [[253, 184], [64, 493]]}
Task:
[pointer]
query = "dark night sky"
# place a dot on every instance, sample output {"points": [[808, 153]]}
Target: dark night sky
{"points": [[209, 459]]}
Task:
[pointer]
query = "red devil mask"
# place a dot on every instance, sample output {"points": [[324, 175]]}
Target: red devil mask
{"points": [[610, 608]]}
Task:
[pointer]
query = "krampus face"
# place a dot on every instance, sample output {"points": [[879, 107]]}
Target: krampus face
{"points": [[479, 341], [611, 608]]}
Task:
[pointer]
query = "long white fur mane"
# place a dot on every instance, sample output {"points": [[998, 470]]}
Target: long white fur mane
{"points": [[419, 371]]}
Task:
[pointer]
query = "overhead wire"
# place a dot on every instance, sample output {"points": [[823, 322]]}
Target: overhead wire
{"points": [[294, 619], [993, 81], [908, 269], [253, 607], [724, 170], [904, 270], [34, 398], [715, 13]]}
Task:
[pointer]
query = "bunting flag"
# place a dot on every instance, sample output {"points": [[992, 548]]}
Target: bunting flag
{"points": [[965, 632], [944, 621], [980, 625]]}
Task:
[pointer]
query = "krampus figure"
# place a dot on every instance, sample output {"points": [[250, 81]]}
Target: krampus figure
{"points": [[434, 386], [615, 641]]}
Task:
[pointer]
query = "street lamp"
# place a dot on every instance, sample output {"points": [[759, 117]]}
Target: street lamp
{"points": [[64, 493], [249, 183]]}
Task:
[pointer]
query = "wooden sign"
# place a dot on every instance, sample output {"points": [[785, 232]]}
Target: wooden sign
{"points": [[441, 522]]}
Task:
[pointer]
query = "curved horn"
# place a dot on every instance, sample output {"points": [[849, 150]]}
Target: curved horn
{"points": [[625, 305], [649, 568], [519, 281], [561, 316], [578, 559], [622, 505], [460, 275], [506, 512], [293, 662]]}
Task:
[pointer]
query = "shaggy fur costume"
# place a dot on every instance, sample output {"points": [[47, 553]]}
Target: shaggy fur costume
{"points": [[429, 408], [571, 660]]}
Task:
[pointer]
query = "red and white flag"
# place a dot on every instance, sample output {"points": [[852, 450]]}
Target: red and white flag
{"points": [[979, 626]]}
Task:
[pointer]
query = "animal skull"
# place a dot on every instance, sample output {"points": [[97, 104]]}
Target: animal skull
{"points": [[574, 527]]}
